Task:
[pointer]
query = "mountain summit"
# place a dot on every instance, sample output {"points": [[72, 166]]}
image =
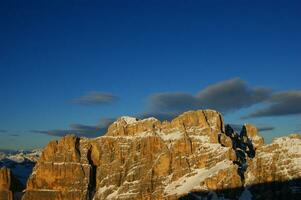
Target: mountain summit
{"points": [[194, 156]]}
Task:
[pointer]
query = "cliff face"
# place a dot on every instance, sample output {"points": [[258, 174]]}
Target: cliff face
{"points": [[5, 184], [277, 162], [63, 171], [149, 159]]}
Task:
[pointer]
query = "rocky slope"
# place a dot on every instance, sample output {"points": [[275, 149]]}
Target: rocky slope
{"points": [[149, 159]]}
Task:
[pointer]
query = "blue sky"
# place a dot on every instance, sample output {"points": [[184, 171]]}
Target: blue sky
{"points": [[142, 57]]}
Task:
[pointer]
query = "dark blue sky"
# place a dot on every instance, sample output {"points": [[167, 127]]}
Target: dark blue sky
{"points": [[55, 52]]}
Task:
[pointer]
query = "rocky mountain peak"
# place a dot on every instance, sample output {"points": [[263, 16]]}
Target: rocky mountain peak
{"points": [[250, 131], [202, 122], [127, 119], [130, 126], [65, 150], [200, 118]]}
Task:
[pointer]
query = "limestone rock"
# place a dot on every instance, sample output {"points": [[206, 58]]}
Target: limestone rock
{"points": [[63, 171], [149, 159], [279, 161], [5, 184], [251, 132]]}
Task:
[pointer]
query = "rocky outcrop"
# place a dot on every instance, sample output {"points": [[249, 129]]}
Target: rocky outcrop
{"points": [[250, 132], [149, 159], [277, 162], [244, 144], [5, 184], [63, 171]]}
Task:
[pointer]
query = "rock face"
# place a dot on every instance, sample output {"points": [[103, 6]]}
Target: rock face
{"points": [[63, 171], [5, 184], [149, 159], [277, 162]]}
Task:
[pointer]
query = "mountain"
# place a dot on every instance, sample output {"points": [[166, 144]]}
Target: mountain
{"points": [[194, 156]]}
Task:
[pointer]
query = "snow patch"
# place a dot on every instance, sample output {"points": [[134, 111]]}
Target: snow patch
{"points": [[171, 136], [104, 188], [129, 120], [133, 120], [202, 138], [192, 181], [113, 195]]}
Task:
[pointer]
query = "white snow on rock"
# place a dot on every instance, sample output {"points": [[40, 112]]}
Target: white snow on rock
{"points": [[128, 119], [171, 136], [192, 181], [290, 144], [132, 120], [149, 119], [293, 145], [103, 189]]}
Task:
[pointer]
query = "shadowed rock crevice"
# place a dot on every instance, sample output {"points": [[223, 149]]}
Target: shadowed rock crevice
{"points": [[92, 184], [62, 172], [77, 147], [243, 147]]}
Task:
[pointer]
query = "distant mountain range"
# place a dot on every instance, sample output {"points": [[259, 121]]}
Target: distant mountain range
{"points": [[20, 162]]}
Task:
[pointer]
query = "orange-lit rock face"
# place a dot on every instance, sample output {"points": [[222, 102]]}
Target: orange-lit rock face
{"points": [[252, 133], [63, 171], [146, 159], [278, 161], [4, 179], [5, 184]]}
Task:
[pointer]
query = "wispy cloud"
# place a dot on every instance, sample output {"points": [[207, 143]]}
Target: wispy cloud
{"points": [[280, 104], [265, 128], [232, 95], [80, 129], [61, 132], [225, 96], [95, 98], [14, 135], [55, 132]]}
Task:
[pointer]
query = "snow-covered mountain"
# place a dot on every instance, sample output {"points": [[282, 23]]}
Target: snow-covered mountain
{"points": [[20, 162]]}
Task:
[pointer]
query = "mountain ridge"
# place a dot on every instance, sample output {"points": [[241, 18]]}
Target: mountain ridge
{"points": [[149, 159]]}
